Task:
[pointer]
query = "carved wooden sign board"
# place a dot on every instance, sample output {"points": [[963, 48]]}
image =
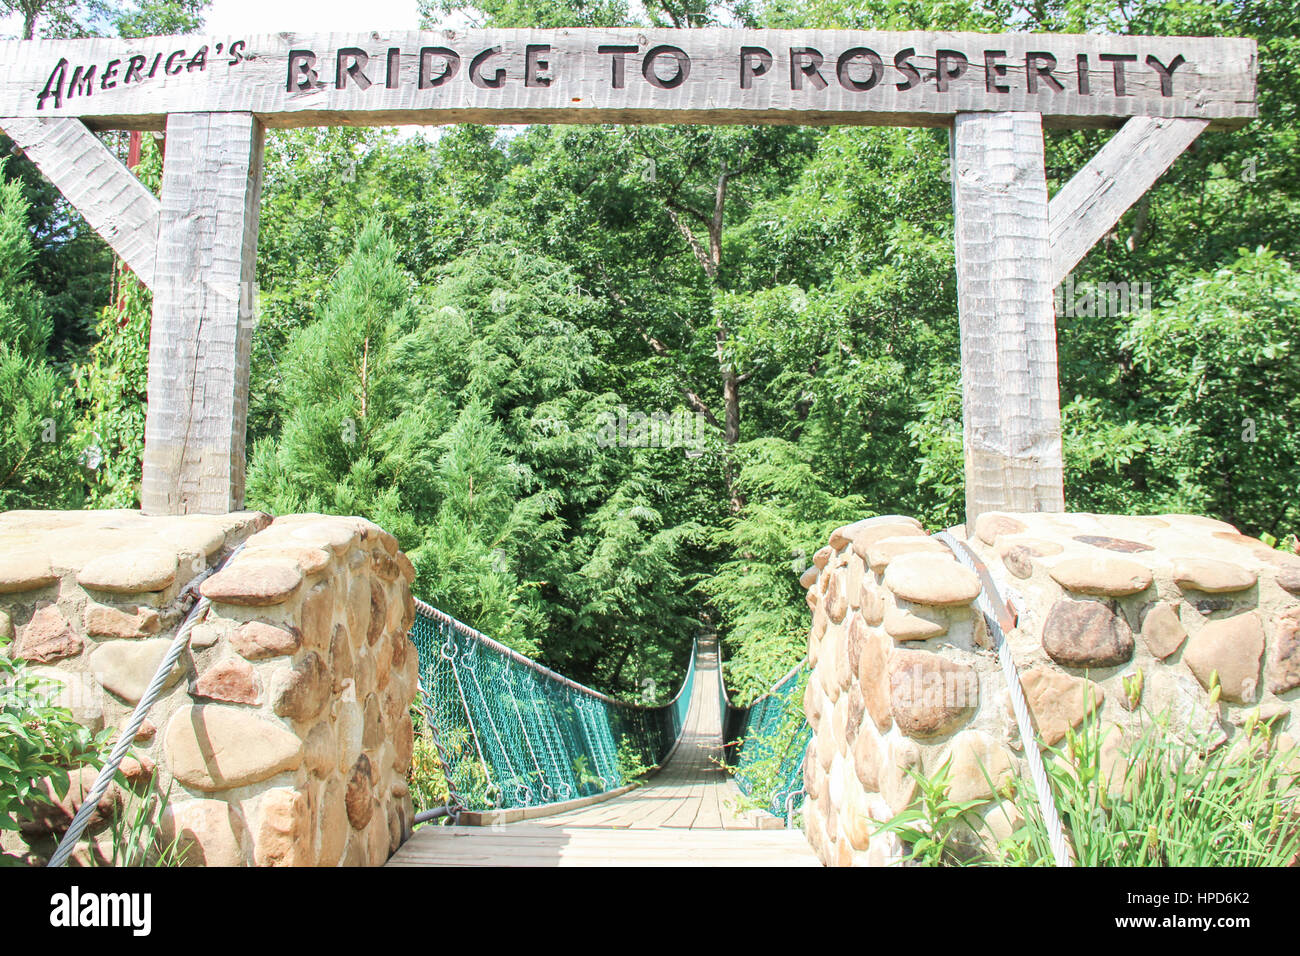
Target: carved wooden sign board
{"points": [[196, 247], [576, 76]]}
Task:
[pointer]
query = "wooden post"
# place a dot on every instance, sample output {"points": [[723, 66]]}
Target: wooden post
{"points": [[202, 315], [1010, 403]]}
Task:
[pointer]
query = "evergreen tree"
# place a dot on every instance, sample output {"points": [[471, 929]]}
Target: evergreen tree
{"points": [[349, 444], [591, 540], [469, 562], [38, 460]]}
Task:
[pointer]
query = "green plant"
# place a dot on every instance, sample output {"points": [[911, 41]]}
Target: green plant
{"points": [[111, 390], [1178, 803], [1290, 543], [38, 742], [110, 384], [38, 459], [583, 773], [135, 836], [936, 829], [769, 765], [426, 778], [630, 761]]}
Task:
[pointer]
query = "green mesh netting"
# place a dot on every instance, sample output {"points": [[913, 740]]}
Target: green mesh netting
{"points": [[767, 741], [515, 734]]}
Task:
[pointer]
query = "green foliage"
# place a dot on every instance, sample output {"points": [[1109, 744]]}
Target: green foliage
{"points": [[134, 833], [425, 777], [24, 324], [1180, 802], [1221, 361], [934, 828], [1177, 804], [538, 14], [349, 444], [88, 18], [111, 386], [111, 389], [630, 762], [787, 516], [38, 461], [585, 774], [38, 742], [771, 747]]}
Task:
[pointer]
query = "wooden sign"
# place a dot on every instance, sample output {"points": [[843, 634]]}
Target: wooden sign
{"points": [[631, 76]]}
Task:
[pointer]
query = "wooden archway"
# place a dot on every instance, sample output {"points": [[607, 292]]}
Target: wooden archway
{"points": [[196, 247]]}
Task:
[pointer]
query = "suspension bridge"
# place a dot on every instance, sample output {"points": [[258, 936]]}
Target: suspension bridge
{"points": [[539, 768]]}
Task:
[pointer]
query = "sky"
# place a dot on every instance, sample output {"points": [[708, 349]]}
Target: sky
{"points": [[316, 16], [271, 16]]}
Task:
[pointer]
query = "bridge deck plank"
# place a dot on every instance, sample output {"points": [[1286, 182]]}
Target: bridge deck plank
{"points": [[684, 815]]}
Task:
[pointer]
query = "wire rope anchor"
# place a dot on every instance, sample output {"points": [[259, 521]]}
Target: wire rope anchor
{"points": [[997, 614], [90, 803]]}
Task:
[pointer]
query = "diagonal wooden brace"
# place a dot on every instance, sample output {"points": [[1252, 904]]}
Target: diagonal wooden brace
{"points": [[116, 204], [1091, 203]]}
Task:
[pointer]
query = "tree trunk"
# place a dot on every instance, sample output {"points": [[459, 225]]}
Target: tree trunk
{"points": [[710, 260], [731, 430]]}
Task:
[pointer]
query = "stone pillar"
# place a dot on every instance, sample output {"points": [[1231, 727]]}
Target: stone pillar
{"points": [[1117, 615], [284, 736]]}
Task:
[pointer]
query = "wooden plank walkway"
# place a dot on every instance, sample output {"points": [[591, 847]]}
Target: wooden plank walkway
{"points": [[686, 815]]}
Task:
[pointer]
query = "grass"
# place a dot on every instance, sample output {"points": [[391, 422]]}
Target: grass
{"points": [[1177, 802], [135, 837]]}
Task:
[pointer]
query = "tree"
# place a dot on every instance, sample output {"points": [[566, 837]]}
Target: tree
{"points": [[348, 444], [592, 536], [1222, 394], [38, 460], [787, 516], [83, 18]]}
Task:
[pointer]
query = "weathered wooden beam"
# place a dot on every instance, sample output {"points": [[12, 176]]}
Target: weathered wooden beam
{"points": [[202, 323], [631, 76], [116, 204], [1086, 207], [1010, 403]]}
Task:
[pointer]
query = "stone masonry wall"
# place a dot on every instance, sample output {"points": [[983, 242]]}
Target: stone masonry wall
{"points": [[283, 737], [1120, 614]]}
